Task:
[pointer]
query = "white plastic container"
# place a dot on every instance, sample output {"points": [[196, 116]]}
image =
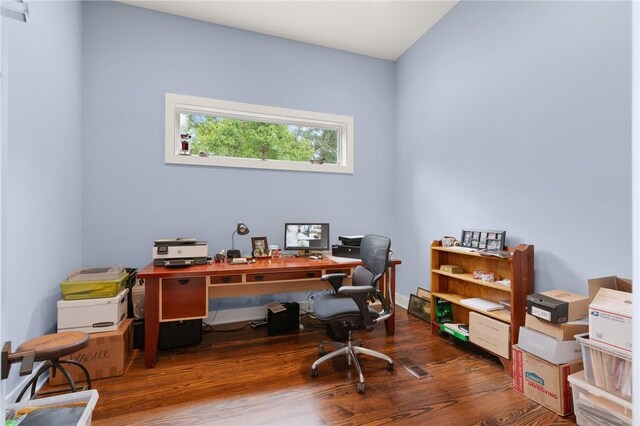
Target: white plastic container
{"points": [[92, 315], [605, 367], [596, 407], [90, 397]]}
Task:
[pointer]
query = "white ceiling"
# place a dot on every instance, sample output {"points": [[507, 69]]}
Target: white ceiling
{"points": [[379, 28]]}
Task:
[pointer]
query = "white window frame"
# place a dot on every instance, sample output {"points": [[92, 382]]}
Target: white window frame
{"points": [[176, 104]]}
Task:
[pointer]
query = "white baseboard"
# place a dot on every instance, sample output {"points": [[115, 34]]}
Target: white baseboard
{"points": [[402, 301], [228, 316], [258, 313]]}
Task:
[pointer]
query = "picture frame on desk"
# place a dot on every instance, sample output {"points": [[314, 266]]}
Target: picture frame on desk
{"points": [[481, 239], [259, 246], [420, 308]]}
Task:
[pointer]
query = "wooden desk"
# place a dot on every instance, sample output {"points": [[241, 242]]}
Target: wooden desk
{"points": [[173, 294]]}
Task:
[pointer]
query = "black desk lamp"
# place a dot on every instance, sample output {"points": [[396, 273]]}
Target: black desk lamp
{"points": [[241, 229]]}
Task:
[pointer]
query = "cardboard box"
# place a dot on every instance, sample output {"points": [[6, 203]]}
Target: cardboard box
{"points": [[544, 382], [614, 283], [106, 355], [557, 306], [548, 348], [565, 331], [610, 318], [490, 334], [92, 315]]}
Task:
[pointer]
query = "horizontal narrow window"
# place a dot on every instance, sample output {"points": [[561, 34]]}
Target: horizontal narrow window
{"points": [[214, 132]]}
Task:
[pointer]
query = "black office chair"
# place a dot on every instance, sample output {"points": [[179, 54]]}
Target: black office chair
{"points": [[347, 310]]}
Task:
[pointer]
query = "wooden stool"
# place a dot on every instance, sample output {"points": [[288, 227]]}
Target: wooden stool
{"points": [[50, 348]]}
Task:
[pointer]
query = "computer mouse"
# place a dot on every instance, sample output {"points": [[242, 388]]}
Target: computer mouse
{"points": [[313, 257]]}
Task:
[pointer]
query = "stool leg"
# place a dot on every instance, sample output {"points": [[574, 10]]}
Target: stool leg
{"points": [[82, 367], [56, 364], [32, 382]]}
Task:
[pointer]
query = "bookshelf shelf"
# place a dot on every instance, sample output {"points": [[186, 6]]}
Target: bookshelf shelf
{"points": [[469, 278], [518, 268]]}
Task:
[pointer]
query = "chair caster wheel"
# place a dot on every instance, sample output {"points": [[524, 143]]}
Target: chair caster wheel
{"points": [[314, 372], [390, 366], [360, 388]]}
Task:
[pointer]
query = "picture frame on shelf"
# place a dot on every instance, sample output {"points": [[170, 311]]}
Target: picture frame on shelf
{"points": [[420, 308], [259, 246], [483, 239]]}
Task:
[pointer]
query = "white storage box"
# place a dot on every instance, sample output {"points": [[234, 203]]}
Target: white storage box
{"points": [[88, 397], [548, 348], [92, 315], [606, 367], [595, 407]]}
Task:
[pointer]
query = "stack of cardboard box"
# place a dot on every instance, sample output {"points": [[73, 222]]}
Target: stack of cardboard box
{"points": [[96, 304], [547, 352]]}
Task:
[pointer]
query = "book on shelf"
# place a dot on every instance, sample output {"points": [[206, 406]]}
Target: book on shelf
{"points": [[482, 304]]}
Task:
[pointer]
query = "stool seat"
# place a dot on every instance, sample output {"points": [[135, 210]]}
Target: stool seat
{"points": [[50, 348], [55, 345]]}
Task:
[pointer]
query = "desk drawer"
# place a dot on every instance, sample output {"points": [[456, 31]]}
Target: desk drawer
{"points": [[225, 279], [284, 276], [183, 298]]}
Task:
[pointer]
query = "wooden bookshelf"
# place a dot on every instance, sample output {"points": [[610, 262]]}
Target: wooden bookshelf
{"points": [[518, 268]]}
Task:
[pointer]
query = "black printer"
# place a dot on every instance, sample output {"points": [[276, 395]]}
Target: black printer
{"points": [[349, 247]]}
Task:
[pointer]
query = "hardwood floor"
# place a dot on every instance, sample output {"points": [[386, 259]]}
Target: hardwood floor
{"points": [[246, 378]]}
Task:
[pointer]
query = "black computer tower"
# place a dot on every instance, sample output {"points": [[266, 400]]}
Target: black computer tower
{"points": [[284, 321]]}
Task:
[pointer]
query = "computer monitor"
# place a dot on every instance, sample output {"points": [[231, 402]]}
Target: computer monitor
{"points": [[306, 237]]}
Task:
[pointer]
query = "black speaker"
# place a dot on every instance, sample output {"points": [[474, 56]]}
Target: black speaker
{"points": [[284, 321]]}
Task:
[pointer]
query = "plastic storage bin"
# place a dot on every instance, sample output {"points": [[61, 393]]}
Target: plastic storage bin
{"points": [[76, 290], [606, 367], [596, 407], [88, 397]]}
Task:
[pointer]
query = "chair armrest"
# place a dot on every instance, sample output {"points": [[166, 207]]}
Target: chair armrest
{"points": [[358, 289], [360, 294], [334, 279]]}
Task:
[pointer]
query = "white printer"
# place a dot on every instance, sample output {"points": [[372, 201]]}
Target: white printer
{"points": [[180, 252]]}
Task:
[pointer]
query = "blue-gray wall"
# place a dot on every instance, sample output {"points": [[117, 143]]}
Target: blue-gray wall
{"points": [[41, 169], [517, 116], [133, 56]]}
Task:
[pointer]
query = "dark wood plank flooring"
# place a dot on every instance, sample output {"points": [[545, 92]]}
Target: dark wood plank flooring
{"points": [[245, 377]]}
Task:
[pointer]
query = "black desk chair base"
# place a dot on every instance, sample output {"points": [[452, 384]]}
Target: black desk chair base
{"points": [[350, 349]]}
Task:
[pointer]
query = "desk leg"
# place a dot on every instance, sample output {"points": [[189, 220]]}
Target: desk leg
{"points": [[390, 286], [151, 320]]}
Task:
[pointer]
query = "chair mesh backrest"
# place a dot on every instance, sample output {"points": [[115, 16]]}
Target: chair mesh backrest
{"points": [[374, 252]]}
